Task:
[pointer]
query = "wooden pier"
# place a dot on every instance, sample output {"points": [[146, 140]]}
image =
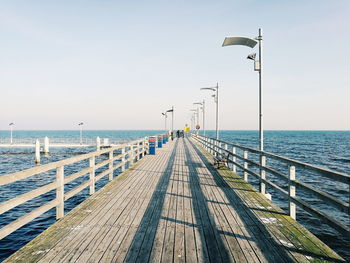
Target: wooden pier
{"points": [[176, 207]]}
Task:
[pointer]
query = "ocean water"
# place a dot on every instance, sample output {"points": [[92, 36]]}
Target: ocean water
{"points": [[328, 149]]}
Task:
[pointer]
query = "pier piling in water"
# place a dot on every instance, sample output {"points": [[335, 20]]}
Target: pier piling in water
{"points": [[37, 151], [98, 143], [46, 145]]}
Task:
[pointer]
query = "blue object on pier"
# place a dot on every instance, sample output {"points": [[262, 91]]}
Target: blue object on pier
{"points": [[152, 145], [160, 141]]}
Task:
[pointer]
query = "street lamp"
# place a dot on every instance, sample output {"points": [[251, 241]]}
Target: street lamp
{"points": [[11, 129], [195, 121], [81, 131], [216, 99], [165, 116], [249, 42], [257, 67], [172, 117], [203, 111]]}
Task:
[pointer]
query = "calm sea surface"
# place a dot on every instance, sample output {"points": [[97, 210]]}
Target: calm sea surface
{"points": [[329, 149]]}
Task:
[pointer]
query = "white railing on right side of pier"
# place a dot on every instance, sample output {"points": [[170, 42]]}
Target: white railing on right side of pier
{"points": [[120, 156], [230, 151]]}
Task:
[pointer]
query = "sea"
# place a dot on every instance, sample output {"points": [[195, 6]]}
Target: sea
{"points": [[326, 149]]}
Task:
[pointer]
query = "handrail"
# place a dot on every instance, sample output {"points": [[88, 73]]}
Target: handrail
{"points": [[131, 152], [340, 177], [214, 147]]}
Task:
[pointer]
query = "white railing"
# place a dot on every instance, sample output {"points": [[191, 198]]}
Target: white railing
{"points": [[63, 141], [242, 162], [126, 153]]}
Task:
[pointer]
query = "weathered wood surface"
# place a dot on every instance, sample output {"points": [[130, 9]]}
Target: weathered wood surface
{"points": [[175, 207]]}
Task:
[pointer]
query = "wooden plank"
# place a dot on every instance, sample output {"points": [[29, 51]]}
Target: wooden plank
{"points": [[101, 227], [157, 247], [231, 224], [208, 185], [223, 224], [40, 246], [189, 226], [280, 230], [73, 243], [142, 242], [209, 236], [123, 224], [127, 216], [169, 237], [115, 231], [265, 245], [179, 247]]}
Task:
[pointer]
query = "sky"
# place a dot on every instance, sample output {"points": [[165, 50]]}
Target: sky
{"points": [[120, 64]]}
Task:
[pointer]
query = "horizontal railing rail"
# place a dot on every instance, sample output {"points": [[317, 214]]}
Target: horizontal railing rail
{"points": [[126, 153], [219, 147]]}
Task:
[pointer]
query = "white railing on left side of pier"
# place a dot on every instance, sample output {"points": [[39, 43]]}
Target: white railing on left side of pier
{"points": [[58, 141], [237, 156], [118, 157]]}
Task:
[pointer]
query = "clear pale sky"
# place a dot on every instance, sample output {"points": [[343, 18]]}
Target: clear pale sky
{"points": [[119, 64]]}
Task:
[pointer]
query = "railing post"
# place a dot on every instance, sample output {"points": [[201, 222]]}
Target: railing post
{"points": [[110, 166], [123, 159], [234, 159], [226, 148], [92, 174], [262, 175], [214, 146], [131, 157], [138, 150], [245, 165], [147, 145], [144, 147], [292, 192], [60, 192], [141, 153]]}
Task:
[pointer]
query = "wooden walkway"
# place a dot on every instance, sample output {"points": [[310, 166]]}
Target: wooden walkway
{"points": [[175, 207]]}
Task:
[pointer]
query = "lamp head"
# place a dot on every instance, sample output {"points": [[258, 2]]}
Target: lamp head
{"points": [[251, 56], [213, 88]]}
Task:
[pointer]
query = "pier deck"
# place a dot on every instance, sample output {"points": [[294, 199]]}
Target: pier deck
{"points": [[175, 207]]}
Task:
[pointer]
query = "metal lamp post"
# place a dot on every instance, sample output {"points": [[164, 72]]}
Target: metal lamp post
{"points": [[249, 42], [80, 124], [11, 130], [216, 99], [195, 121], [172, 117], [195, 111], [203, 111], [165, 116], [257, 67]]}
